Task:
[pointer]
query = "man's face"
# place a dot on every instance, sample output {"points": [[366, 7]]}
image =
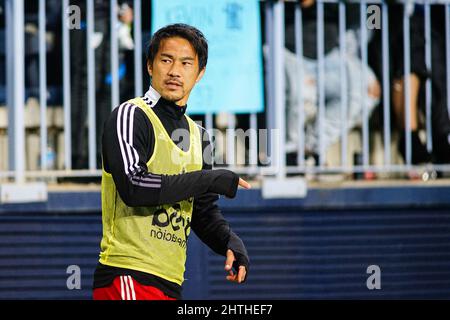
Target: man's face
{"points": [[175, 70]]}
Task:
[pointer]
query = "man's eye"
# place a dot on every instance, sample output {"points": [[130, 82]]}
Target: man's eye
{"points": [[187, 63], [166, 60]]}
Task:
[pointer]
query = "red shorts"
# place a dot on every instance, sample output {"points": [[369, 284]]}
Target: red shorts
{"points": [[126, 288]]}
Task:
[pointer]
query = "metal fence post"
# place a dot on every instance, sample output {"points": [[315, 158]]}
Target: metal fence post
{"points": [[66, 88], [138, 91], [279, 86], [115, 90], [91, 86], [16, 88], [43, 84]]}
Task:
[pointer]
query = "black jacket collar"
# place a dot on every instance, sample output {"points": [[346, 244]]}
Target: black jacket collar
{"points": [[171, 109]]}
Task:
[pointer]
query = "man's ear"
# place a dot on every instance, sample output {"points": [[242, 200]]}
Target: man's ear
{"points": [[149, 68], [200, 75]]}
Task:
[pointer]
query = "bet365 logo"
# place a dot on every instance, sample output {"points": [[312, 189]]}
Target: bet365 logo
{"points": [[172, 216]]}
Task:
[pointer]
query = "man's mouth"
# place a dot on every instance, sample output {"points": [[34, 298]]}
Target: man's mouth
{"points": [[173, 84]]}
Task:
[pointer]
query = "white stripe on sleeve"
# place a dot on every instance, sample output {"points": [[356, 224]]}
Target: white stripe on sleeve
{"points": [[119, 137], [130, 156]]}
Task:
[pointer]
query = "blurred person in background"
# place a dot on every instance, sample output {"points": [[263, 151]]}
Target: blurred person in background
{"points": [[126, 51], [78, 67], [332, 78], [440, 114], [103, 79], [417, 78]]}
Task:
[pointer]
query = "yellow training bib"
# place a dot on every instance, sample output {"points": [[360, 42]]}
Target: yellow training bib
{"points": [[151, 239]]}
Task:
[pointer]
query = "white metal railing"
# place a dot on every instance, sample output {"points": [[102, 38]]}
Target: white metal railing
{"points": [[274, 12]]}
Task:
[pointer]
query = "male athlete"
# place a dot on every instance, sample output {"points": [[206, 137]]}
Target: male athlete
{"points": [[157, 182]]}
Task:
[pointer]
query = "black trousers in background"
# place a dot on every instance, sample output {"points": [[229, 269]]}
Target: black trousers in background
{"points": [[79, 108]]}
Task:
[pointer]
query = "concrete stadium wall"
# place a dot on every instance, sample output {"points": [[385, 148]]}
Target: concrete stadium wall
{"points": [[319, 247]]}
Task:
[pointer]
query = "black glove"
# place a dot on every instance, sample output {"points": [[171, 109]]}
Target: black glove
{"points": [[224, 182], [236, 245]]}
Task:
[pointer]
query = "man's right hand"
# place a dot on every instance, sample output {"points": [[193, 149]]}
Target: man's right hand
{"points": [[241, 272]]}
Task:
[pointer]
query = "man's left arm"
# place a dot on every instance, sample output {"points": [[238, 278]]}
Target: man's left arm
{"points": [[212, 229]]}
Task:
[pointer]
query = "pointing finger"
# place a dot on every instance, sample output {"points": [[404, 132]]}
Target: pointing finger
{"points": [[244, 184]]}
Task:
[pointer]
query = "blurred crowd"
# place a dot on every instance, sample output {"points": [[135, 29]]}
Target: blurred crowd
{"points": [[373, 73], [358, 74], [78, 64]]}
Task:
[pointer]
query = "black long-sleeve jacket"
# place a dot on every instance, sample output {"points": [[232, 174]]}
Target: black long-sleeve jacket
{"points": [[130, 127]]}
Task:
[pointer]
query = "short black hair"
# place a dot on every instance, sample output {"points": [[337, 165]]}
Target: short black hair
{"points": [[190, 33]]}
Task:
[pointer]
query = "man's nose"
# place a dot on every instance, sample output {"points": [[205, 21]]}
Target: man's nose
{"points": [[174, 71]]}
